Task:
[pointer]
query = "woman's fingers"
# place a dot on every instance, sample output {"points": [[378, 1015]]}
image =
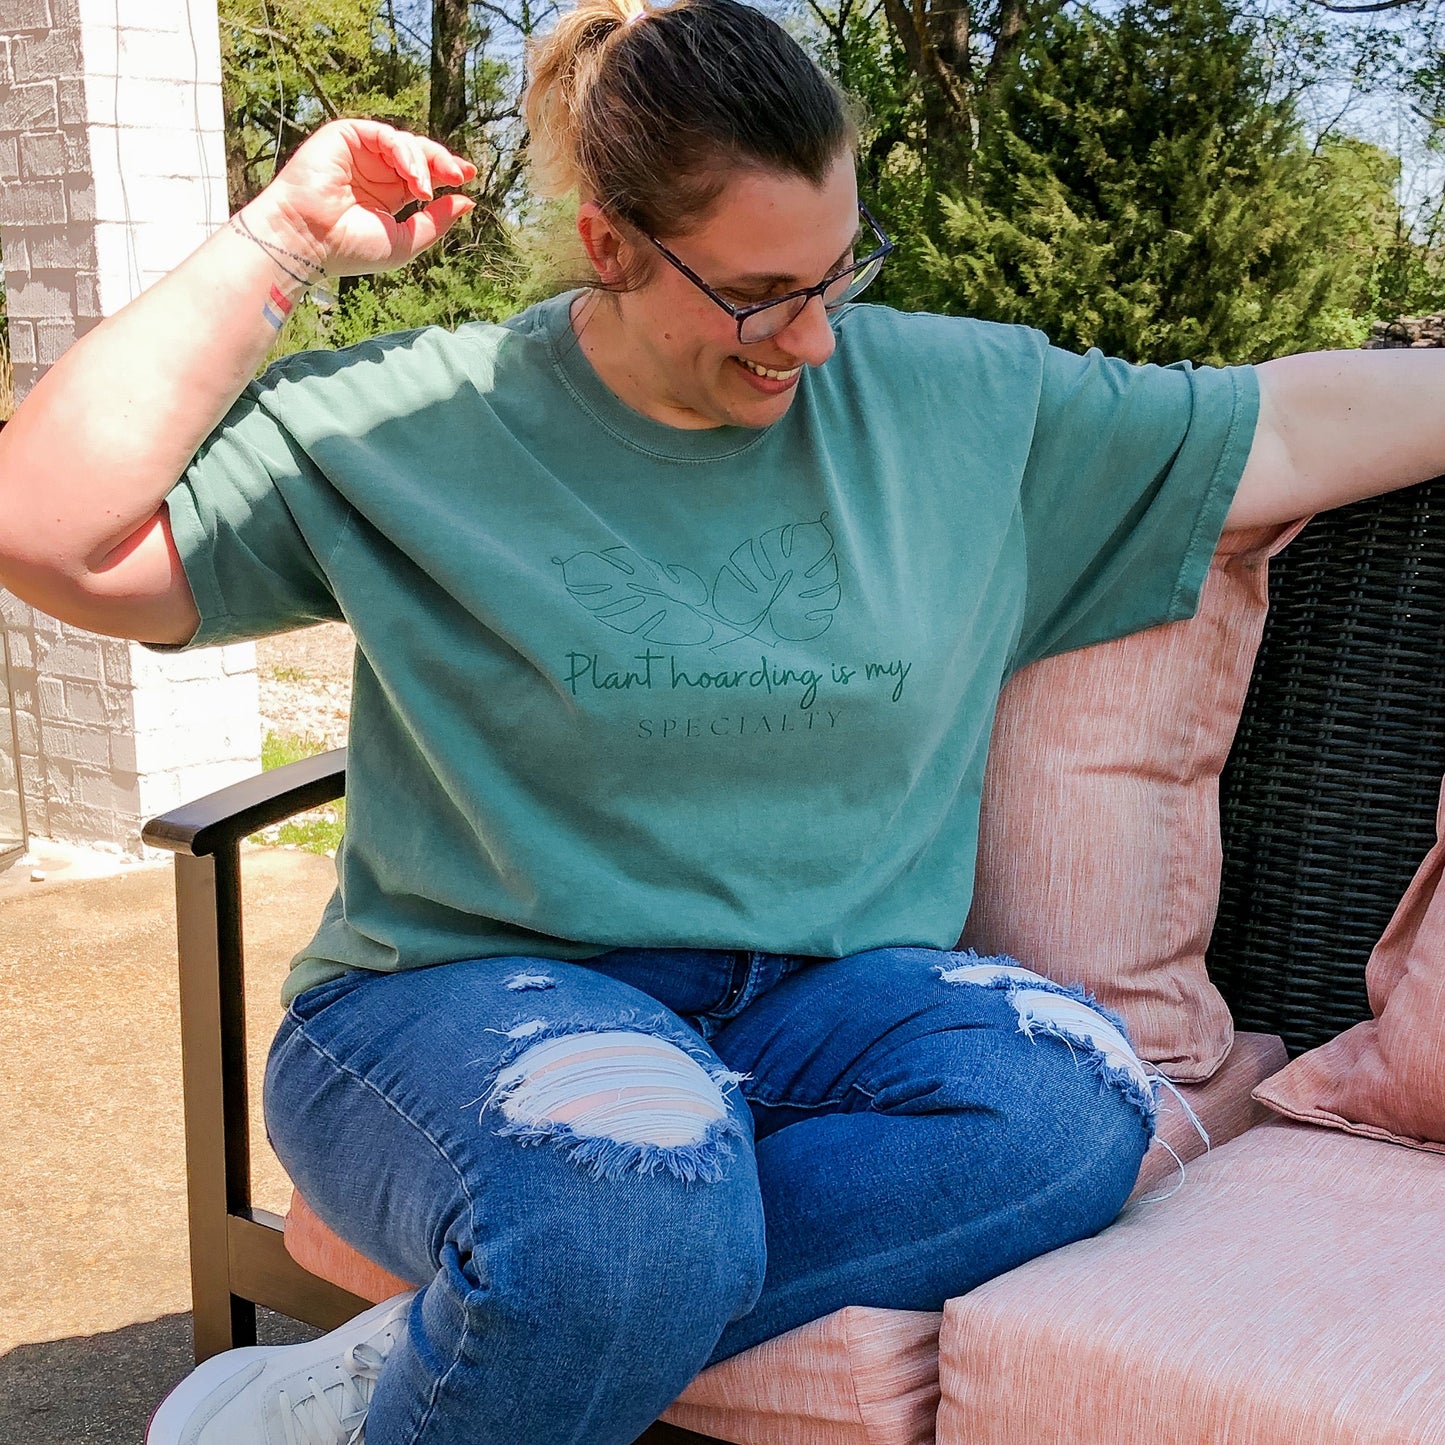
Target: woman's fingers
{"points": [[417, 160], [419, 231]]}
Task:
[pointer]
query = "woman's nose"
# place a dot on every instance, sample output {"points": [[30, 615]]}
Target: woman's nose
{"points": [[808, 337]]}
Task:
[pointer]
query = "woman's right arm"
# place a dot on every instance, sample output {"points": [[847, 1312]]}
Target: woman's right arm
{"points": [[88, 459]]}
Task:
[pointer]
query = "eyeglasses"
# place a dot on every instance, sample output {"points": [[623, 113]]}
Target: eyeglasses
{"points": [[766, 318]]}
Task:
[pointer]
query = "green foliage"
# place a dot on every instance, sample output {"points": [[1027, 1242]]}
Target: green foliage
{"points": [[280, 749], [1135, 188], [317, 831], [290, 65]]}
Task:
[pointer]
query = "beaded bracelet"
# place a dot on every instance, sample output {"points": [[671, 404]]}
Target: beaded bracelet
{"points": [[278, 305], [272, 249]]}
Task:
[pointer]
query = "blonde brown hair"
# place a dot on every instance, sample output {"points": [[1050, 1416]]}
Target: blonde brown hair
{"points": [[646, 111]]}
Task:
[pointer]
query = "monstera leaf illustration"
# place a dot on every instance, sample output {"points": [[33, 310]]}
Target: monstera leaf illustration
{"points": [[635, 595], [782, 586]]}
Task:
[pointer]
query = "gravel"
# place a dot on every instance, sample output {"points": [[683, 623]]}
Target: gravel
{"points": [[306, 683]]}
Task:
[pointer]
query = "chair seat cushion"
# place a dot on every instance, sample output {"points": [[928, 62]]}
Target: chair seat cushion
{"points": [[861, 1376], [1290, 1294], [1223, 1104]]}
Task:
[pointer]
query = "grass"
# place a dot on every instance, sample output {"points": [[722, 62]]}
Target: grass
{"points": [[317, 831], [7, 379], [289, 674]]}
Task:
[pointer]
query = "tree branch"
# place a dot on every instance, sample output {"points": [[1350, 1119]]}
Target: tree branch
{"points": [[1362, 9], [265, 32]]}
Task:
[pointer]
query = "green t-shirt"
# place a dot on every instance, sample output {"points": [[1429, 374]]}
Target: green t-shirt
{"points": [[623, 684]]}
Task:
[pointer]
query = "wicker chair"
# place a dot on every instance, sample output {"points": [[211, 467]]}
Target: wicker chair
{"points": [[1328, 806]]}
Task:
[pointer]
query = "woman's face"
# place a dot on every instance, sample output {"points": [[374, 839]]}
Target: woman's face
{"points": [[670, 352]]}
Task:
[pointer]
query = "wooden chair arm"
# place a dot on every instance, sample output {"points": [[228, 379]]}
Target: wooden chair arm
{"points": [[238, 1259], [221, 819]]}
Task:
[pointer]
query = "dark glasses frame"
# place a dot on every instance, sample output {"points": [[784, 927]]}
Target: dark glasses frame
{"points": [[797, 299]]}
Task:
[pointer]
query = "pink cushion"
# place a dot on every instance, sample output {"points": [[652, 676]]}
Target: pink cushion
{"points": [[1290, 1294], [1385, 1079], [858, 1377], [1223, 1104], [1099, 850], [861, 1375]]}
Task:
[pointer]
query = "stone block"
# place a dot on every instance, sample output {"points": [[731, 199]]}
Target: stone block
{"points": [[48, 55], [41, 294], [87, 747], [23, 695], [123, 752], [22, 650], [162, 247], [200, 781], [23, 379], [178, 152], [151, 53], [238, 657], [7, 74], [159, 793], [30, 107], [29, 733], [115, 654], [16, 252], [107, 792], [175, 748], [70, 98], [42, 155], [167, 103], [182, 16], [71, 823], [33, 203], [27, 14], [143, 199], [85, 702], [61, 787], [51, 693], [158, 671], [15, 612], [80, 199], [53, 339], [61, 248], [77, 150], [87, 297], [74, 657], [9, 158], [22, 342]]}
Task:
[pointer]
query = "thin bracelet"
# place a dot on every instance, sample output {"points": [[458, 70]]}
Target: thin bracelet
{"points": [[271, 247]]}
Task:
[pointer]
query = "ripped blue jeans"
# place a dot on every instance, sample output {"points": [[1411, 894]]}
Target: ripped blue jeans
{"points": [[604, 1176]]}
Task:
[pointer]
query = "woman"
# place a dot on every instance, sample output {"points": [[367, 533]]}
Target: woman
{"points": [[682, 604]]}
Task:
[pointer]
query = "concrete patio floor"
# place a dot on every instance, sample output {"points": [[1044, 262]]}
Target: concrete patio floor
{"points": [[94, 1283], [94, 1286]]}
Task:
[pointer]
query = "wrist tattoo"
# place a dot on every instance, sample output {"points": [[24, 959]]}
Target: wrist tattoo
{"points": [[277, 308], [238, 224]]}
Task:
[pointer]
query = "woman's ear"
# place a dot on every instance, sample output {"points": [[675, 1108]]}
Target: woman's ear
{"points": [[604, 243]]}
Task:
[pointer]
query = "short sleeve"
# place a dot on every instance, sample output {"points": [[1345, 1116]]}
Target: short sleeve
{"points": [[255, 522], [1129, 477]]}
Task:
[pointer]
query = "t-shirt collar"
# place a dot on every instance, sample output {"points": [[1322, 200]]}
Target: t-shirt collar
{"points": [[615, 416]]}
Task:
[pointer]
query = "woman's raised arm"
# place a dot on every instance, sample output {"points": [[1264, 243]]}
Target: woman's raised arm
{"points": [[87, 460]]}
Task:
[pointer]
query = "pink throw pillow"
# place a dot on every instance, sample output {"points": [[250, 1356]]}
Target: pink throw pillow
{"points": [[1385, 1078], [1099, 849]]}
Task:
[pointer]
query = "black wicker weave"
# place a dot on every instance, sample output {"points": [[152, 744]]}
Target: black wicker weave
{"points": [[1328, 801]]}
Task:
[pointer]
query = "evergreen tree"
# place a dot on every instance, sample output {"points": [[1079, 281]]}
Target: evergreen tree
{"points": [[1135, 188]]}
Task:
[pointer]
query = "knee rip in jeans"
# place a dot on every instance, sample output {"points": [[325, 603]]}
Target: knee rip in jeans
{"points": [[616, 1101], [1071, 1015]]}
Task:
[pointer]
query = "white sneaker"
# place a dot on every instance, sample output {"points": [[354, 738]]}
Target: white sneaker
{"points": [[312, 1394]]}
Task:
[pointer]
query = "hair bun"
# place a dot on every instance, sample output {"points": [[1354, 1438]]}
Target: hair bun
{"points": [[564, 64]]}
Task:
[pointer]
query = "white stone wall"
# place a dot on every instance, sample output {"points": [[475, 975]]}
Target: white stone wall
{"points": [[112, 170]]}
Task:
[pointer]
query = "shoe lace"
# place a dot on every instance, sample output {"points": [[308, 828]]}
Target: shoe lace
{"points": [[333, 1410]]}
